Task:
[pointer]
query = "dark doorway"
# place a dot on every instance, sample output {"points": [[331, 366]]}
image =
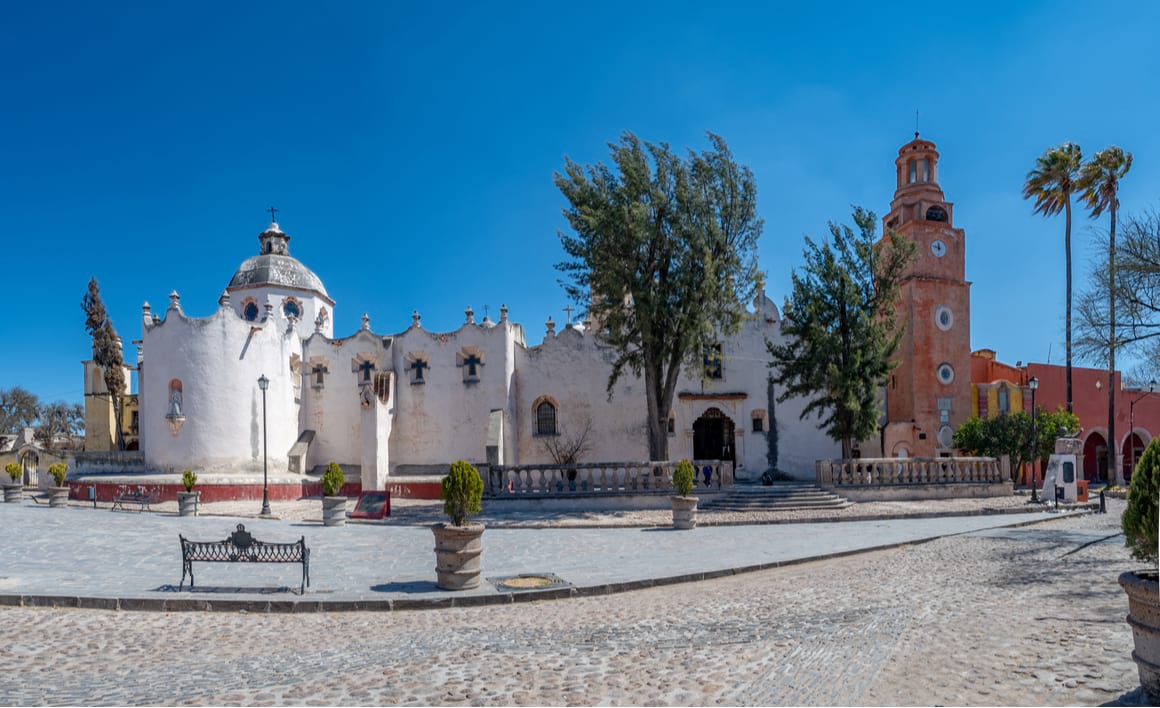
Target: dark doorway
{"points": [[1095, 458], [713, 436]]}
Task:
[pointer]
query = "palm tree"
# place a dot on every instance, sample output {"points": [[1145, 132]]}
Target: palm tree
{"points": [[1050, 184], [1099, 185]]}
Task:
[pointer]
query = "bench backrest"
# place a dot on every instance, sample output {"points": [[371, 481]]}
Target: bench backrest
{"points": [[241, 546]]}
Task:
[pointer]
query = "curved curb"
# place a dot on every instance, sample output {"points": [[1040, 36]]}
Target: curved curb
{"points": [[435, 603]]}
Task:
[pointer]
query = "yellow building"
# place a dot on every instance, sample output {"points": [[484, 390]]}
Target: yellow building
{"points": [[99, 416]]}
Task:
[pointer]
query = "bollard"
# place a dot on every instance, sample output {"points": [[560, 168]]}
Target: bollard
{"points": [[1058, 493], [1103, 509], [93, 494]]}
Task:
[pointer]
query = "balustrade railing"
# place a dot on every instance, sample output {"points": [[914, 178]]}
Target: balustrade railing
{"points": [[601, 478], [909, 470]]}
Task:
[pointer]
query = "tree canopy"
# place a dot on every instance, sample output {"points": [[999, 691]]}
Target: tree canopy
{"points": [[1012, 434], [59, 418], [841, 329], [663, 258], [19, 409], [106, 350]]}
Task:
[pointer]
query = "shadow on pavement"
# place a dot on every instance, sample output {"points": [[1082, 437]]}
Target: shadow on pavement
{"points": [[413, 586]]}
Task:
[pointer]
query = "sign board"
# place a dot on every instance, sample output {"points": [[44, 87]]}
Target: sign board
{"points": [[372, 505]]}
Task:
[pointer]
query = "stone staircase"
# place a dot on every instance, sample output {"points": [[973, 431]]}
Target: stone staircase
{"points": [[780, 496]]}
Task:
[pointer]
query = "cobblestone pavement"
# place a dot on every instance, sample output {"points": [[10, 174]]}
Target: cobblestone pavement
{"points": [[1027, 616]]}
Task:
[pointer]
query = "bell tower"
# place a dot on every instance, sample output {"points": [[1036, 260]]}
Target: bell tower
{"points": [[928, 394]]}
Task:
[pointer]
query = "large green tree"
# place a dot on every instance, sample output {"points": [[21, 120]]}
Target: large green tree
{"points": [[1051, 184], [840, 327], [1019, 436], [106, 351], [663, 258], [1099, 185]]}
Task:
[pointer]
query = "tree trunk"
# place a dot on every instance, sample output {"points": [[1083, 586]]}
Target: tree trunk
{"points": [[658, 438], [1067, 247], [1114, 471]]}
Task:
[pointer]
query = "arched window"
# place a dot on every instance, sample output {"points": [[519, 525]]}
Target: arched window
{"points": [[936, 213], [250, 311], [292, 308], [546, 419], [912, 172]]}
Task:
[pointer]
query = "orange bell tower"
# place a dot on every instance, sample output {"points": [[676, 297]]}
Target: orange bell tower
{"points": [[928, 394]]}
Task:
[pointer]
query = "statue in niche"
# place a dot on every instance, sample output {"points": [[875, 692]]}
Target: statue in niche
{"points": [[175, 404]]}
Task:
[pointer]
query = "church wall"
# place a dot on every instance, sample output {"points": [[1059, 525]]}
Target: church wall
{"points": [[218, 360], [333, 410], [445, 418], [570, 369]]}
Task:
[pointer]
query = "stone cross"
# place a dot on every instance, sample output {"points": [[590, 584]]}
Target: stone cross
{"points": [[418, 365], [471, 361], [272, 211], [366, 367]]}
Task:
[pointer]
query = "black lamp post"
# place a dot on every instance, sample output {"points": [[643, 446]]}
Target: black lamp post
{"points": [[264, 383], [1034, 384], [1132, 422]]}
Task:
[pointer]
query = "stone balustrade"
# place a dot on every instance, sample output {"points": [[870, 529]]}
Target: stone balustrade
{"points": [[600, 478], [894, 471]]}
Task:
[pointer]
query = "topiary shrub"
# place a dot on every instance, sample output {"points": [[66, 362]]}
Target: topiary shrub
{"points": [[13, 470], [59, 471], [683, 478], [188, 478], [1140, 518], [462, 492], [332, 480]]}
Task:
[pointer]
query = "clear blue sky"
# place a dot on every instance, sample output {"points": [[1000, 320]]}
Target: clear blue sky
{"points": [[411, 147]]}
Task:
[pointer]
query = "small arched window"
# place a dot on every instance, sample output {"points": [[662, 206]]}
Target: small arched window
{"points": [[936, 213], [912, 172], [250, 311], [291, 308], [546, 419]]}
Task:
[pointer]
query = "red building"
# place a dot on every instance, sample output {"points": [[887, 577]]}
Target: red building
{"points": [[1137, 410]]}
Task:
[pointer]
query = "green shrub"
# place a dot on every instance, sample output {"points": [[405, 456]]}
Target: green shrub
{"points": [[59, 471], [13, 470], [462, 492], [332, 479], [189, 478], [1140, 518], [683, 478]]}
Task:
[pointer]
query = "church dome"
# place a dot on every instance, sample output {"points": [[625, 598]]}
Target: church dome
{"points": [[274, 266]]}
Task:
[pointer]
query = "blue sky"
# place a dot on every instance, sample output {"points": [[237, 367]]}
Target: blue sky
{"points": [[410, 149]]}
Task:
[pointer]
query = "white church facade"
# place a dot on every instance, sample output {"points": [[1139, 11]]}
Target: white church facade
{"points": [[393, 405]]}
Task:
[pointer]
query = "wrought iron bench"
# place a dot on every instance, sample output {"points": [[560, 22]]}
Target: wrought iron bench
{"points": [[242, 547], [141, 499]]}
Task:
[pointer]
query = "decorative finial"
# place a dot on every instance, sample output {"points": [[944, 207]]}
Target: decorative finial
{"points": [[415, 318], [146, 308], [269, 309], [550, 325], [318, 323], [174, 300], [224, 300], [366, 321], [503, 313], [916, 124], [470, 315]]}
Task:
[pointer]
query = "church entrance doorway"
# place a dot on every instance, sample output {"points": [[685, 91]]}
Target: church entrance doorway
{"points": [[713, 436]]}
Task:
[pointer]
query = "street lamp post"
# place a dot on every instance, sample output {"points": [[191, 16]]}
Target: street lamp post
{"points": [[1132, 422], [1034, 384], [264, 383]]}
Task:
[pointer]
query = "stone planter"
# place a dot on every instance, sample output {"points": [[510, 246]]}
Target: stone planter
{"points": [[684, 512], [58, 496], [457, 555], [1144, 618], [13, 493], [334, 511], [187, 503]]}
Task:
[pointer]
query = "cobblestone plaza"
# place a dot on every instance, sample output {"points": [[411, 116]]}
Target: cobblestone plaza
{"points": [[1003, 615]]}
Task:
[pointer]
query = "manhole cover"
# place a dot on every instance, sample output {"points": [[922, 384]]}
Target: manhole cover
{"points": [[528, 581]]}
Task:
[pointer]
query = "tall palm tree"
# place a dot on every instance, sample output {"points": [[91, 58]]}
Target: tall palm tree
{"points": [[1099, 185], [1051, 184]]}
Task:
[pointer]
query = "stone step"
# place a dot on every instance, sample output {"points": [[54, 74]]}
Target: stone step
{"points": [[777, 497]]}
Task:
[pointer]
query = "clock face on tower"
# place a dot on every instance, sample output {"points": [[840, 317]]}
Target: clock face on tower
{"points": [[938, 248]]}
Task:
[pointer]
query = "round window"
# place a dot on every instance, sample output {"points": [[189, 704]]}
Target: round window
{"points": [[946, 373], [291, 309], [251, 311], [943, 317], [946, 436]]}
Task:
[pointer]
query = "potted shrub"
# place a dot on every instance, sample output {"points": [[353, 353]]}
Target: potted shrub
{"points": [[1140, 533], [684, 505], [187, 500], [58, 495], [458, 545], [15, 491], [333, 506]]}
